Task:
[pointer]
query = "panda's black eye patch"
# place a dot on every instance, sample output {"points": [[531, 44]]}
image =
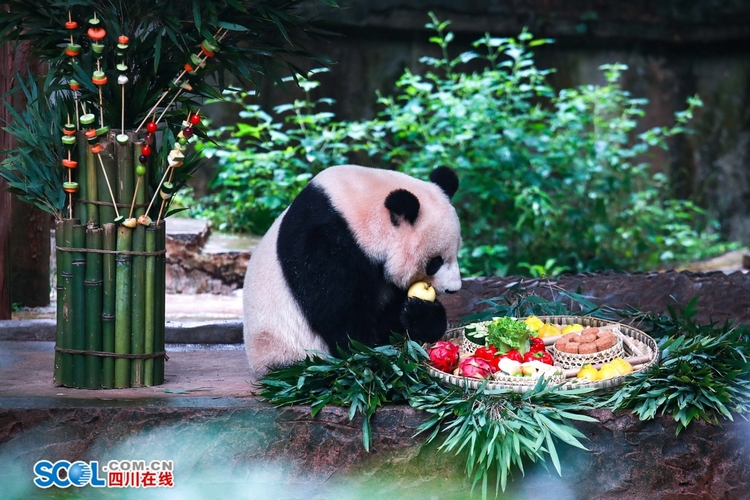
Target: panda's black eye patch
{"points": [[433, 265]]}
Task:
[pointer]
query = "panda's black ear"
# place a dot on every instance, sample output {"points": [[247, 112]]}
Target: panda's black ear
{"points": [[447, 179], [402, 204]]}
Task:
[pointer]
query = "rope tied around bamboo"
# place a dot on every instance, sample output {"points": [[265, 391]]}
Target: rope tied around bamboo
{"points": [[115, 252], [102, 354]]}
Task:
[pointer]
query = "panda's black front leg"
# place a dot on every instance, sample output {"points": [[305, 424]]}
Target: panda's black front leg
{"points": [[424, 321]]}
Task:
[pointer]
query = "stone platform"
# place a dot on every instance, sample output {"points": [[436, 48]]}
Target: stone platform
{"points": [[227, 443]]}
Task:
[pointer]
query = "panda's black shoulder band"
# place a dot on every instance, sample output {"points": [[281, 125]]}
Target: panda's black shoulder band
{"points": [[447, 179], [402, 204]]}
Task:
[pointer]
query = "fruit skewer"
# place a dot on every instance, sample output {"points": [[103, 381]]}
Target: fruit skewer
{"points": [[177, 80]]}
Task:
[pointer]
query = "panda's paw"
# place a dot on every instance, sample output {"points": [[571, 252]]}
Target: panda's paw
{"points": [[424, 321]]}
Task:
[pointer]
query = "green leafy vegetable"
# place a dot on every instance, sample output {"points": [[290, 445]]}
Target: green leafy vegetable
{"points": [[507, 334]]}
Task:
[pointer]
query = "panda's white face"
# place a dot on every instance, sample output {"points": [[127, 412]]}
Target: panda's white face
{"points": [[419, 246]]}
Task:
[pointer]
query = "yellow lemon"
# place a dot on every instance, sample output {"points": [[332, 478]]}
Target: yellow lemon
{"points": [[622, 366], [533, 323], [548, 330], [608, 371], [572, 328], [588, 372]]}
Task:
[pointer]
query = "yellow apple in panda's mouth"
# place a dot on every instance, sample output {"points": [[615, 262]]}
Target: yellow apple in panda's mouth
{"points": [[422, 290]]}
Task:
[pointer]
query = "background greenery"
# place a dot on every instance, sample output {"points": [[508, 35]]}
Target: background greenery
{"points": [[550, 181]]}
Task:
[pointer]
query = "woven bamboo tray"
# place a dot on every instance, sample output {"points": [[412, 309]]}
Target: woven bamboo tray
{"points": [[638, 347]]}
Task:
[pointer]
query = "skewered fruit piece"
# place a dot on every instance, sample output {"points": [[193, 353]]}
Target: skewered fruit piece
{"points": [[73, 49], [99, 78]]}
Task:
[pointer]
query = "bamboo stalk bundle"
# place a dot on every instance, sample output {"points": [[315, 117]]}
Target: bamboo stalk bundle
{"points": [[159, 299], [107, 155], [94, 295], [65, 262], [79, 306], [79, 208], [60, 327], [138, 305], [150, 312], [125, 175], [108, 305], [92, 187], [123, 306], [108, 300], [140, 195]]}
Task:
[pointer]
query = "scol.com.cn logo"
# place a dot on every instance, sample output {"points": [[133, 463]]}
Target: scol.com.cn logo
{"points": [[115, 474]]}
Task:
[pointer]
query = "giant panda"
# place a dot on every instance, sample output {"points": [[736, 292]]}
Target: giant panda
{"points": [[338, 262]]}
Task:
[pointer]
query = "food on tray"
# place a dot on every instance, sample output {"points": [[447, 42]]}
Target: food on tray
{"points": [[506, 334], [614, 368], [474, 367], [536, 369], [444, 356], [510, 367], [507, 351], [422, 290], [588, 372], [533, 323], [548, 330], [571, 328], [506, 347], [588, 341], [622, 365]]}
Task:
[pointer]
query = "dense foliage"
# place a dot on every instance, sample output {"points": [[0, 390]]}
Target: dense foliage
{"points": [[256, 39], [260, 38], [265, 161], [549, 181], [704, 373]]}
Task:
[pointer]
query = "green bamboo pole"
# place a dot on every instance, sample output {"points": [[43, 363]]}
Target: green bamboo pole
{"points": [[138, 306], [94, 295], [65, 262], [108, 306], [125, 173], [141, 195], [92, 186], [122, 306], [80, 209], [150, 316], [159, 312], [107, 155], [60, 287], [79, 306]]}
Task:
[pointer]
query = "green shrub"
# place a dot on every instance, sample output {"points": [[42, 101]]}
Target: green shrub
{"points": [[549, 181], [265, 161]]}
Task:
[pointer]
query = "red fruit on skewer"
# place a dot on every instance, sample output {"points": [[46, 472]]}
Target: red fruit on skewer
{"points": [[146, 150], [96, 33], [71, 25], [151, 127], [195, 119]]}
